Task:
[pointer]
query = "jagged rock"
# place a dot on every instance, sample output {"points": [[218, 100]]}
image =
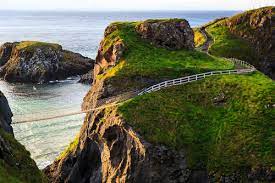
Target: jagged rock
{"points": [[40, 62], [172, 34], [5, 114], [87, 78], [5, 52], [113, 152]]}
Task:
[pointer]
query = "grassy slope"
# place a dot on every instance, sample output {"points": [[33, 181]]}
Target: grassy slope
{"points": [[21, 168], [227, 45], [145, 60], [222, 138], [30, 45]]}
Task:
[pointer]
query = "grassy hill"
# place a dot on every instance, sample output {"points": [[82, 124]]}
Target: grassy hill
{"points": [[223, 122], [142, 59]]}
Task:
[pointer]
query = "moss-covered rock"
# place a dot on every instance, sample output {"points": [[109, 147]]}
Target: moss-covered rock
{"points": [[16, 165], [40, 62]]}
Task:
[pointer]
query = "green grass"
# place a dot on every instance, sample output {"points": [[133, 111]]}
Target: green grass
{"points": [[223, 138], [30, 45], [148, 61], [69, 149], [227, 45], [18, 167]]}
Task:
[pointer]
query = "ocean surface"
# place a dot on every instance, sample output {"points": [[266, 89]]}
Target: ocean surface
{"points": [[76, 31]]}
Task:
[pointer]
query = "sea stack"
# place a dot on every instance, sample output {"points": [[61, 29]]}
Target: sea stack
{"points": [[39, 62]]}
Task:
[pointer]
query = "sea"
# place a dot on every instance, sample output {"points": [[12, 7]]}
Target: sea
{"points": [[76, 31]]}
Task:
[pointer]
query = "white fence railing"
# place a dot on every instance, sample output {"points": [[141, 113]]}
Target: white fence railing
{"points": [[247, 68]]}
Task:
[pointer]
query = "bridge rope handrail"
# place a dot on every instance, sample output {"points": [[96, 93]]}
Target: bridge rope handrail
{"points": [[246, 68], [68, 114]]}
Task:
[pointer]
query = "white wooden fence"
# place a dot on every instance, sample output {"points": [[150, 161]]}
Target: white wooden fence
{"points": [[246, 68]]}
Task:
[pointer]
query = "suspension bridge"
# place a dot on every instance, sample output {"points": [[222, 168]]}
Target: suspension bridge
{"points": [[243, 66]]}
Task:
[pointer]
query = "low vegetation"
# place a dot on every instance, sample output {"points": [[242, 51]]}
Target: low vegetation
{"points": [[223, 122], [69, 149], [227, 45], [18, 167], [30, 45]]}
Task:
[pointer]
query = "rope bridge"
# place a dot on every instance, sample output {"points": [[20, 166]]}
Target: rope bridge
{"points": [[111, 102]]}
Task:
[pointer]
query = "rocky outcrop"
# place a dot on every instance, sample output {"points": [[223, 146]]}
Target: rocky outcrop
{"points": [[256, 27], [15, 162], [171, 34], [5, 114], [5, 52], [111, 151], [87, 78], [40, 62]]}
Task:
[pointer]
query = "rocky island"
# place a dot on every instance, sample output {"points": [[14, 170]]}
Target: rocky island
{"points": [[216, 129], [39, 62]]}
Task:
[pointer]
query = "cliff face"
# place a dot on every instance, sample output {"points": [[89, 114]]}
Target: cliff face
{"points": [[15, 162], [40, 62], [170, 35]]}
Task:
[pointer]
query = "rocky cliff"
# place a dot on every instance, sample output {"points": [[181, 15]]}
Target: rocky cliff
{"points": [[171, 35], [256, 43], [175, 135], [15, 162], [39, 62]]}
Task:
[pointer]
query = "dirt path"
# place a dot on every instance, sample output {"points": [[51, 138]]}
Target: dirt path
{"points": [[208, 41]]}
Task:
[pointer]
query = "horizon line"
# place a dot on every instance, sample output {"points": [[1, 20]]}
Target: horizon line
{"points": [[83, 10]]}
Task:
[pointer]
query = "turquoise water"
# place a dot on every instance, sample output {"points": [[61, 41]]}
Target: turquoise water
{"points": [[77, 31], [45, 139]]}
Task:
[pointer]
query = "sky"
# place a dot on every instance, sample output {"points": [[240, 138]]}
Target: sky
{"points": [[116, 5]]}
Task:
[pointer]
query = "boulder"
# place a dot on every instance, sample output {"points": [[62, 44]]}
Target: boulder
{"points": [[39, 62], [173, 34]]}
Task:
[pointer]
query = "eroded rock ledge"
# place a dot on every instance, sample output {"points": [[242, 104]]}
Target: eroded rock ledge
{"points": [[39, 62], [171, 34]]}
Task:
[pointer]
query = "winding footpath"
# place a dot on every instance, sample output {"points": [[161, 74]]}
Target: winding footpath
{"points": [[242, 68]]}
